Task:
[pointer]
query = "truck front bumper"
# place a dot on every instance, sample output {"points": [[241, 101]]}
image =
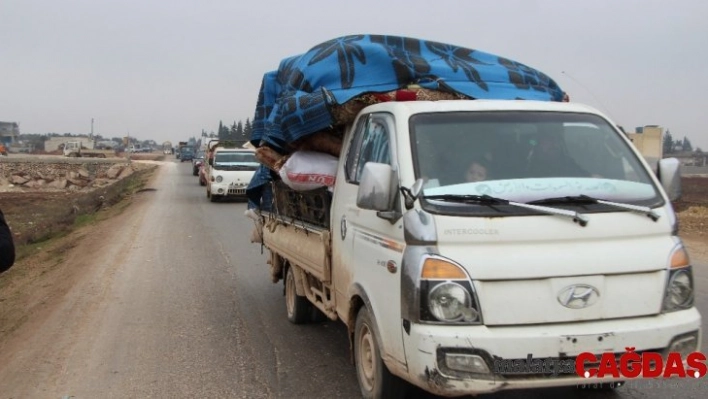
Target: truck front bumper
{"points": [[439, 357], [224, 189]]}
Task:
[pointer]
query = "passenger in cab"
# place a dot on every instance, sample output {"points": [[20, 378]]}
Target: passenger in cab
{"points": [[477, 171], [549, 158]]}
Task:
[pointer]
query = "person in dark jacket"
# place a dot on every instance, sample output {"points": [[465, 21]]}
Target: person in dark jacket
{"points": [[7, 245], [550, 158]]}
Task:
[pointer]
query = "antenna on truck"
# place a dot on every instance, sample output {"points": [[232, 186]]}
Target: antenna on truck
{"points": [[588, 90]]}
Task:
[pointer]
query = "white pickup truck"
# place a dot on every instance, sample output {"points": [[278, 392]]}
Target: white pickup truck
{"points": [[229, 171], [562, 241], [75, 149]]}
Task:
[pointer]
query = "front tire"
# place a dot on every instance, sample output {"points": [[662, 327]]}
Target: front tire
{"points": [[298, 307], [375, 381]]}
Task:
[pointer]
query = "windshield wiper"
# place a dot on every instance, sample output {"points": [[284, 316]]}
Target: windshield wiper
{"points": [[585, 199], [577, 217], [472, 199]]}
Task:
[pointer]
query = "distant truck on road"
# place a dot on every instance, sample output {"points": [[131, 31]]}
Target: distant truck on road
{"points": [[74, 149], [180, 146]]}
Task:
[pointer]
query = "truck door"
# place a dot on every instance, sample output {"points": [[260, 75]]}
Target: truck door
{"points": [[370, 247]]}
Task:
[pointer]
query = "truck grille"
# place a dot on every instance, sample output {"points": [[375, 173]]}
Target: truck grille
{"points": [[237, 190]]}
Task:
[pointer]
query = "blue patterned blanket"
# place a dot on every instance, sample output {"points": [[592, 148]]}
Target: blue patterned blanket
{"points": [[296, 100]]}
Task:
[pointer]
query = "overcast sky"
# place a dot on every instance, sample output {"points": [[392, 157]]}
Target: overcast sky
{"points": [[166, 69]]}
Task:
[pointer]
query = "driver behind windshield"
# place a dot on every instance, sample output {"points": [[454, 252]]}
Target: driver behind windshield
{"points": [[549, 156]]}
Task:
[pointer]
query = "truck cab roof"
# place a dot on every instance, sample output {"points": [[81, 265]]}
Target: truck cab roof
{"points": [[415, 107]]}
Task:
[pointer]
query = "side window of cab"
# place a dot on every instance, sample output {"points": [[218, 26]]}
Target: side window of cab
{"points": [[370, 144]]}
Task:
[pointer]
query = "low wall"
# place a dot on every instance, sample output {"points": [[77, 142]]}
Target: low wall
{"points": [[49, 174]]}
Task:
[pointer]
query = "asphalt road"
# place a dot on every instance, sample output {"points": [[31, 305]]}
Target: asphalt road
{"points": [[183, 307]]}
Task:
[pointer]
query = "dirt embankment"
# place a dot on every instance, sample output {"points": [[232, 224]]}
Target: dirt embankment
{"points": [[43, 198]]}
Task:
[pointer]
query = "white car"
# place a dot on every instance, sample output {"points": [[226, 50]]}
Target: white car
{"points": [[229, 171]]}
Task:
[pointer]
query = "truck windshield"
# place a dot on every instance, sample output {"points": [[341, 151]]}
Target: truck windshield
{"points": [[236, 160], [526, 156]]}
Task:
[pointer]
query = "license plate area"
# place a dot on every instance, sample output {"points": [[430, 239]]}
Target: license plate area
{"points": [[573, 345]]}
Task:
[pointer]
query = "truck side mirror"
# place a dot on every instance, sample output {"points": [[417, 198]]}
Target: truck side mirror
{"points": [[670, 177], [377, 189], [211, 161]]}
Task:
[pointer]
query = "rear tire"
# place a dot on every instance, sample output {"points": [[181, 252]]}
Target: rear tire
{"points": [[375, 381], [298, 307]]}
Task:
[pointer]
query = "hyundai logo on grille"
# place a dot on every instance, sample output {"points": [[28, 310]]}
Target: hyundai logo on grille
{"points": [[578, 296]]}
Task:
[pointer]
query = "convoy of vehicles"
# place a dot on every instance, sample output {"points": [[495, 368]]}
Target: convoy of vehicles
{"points": [[461, 233]]}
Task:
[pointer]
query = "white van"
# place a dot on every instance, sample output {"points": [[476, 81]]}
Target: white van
{"points": [[229, 172], [566, 243]]}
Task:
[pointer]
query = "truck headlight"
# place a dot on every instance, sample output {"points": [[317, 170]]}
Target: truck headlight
{"points": [[451, 302], [679, 292], [219, 179], [447, 294]]}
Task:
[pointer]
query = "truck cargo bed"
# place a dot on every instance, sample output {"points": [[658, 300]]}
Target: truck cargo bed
{"points": [[302, 207], [306, 247]]}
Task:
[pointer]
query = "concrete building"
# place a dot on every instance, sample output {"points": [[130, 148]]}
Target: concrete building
{"points": [[649, 141], [9, 132]]}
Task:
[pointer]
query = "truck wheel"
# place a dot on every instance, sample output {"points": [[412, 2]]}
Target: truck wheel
{"points": [[298, 307], [374, 378], [213, 198]]}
